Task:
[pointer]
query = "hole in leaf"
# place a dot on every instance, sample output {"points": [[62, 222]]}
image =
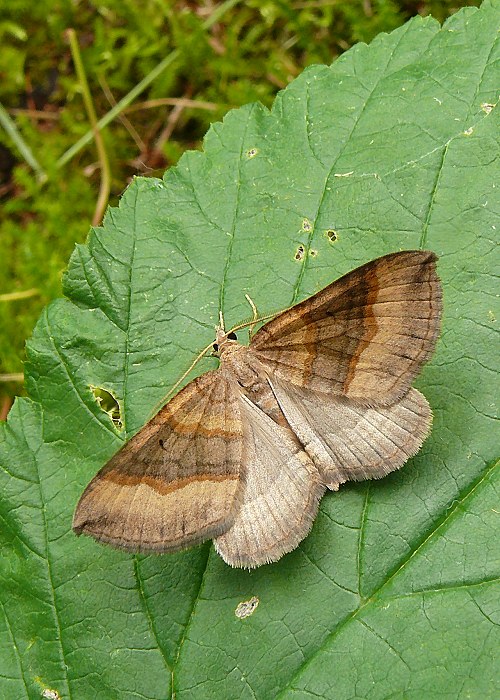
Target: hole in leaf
{"points": [[306, 225], [252, 152], [313, 253], [108, 404], [331, 235]]}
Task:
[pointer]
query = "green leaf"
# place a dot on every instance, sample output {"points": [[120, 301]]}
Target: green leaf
{"points": [[395, 592]]}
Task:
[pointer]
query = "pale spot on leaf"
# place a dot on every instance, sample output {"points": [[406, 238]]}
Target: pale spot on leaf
{"points": [[246, 608]]}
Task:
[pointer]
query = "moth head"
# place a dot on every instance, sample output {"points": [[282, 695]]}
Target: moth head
{"points": [[223, 340]]}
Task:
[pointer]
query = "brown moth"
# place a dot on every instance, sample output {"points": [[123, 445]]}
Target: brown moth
{"points": [[243, 454]]}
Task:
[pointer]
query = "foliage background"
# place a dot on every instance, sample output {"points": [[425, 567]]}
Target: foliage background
{"points": [[255, 49]]}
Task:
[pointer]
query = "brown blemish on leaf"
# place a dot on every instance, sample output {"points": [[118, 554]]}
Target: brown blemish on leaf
{"points": [[300, 252], [487, 107]]}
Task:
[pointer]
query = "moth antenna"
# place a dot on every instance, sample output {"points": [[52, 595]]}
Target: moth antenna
{"points": [[193, 364], [252, 323], [180, 380], [204, 351], [254, 308]]}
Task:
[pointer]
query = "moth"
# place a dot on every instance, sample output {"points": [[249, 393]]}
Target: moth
{"points": [[243, 454]]}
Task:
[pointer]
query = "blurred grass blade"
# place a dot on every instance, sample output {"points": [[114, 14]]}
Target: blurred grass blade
{"points": [[23, 148], [14, 296], [105, 179], [139, 88], [12, 377]]}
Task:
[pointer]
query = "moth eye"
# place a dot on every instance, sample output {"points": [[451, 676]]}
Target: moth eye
{"points": [[232, 336], [215, 347]]}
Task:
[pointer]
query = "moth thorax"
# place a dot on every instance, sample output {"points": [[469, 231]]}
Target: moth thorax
{"points": [[238, 361], [230, 351]]}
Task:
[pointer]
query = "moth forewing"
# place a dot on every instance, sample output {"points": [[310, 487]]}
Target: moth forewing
{"points": [[177, 481], [365, 336]]}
